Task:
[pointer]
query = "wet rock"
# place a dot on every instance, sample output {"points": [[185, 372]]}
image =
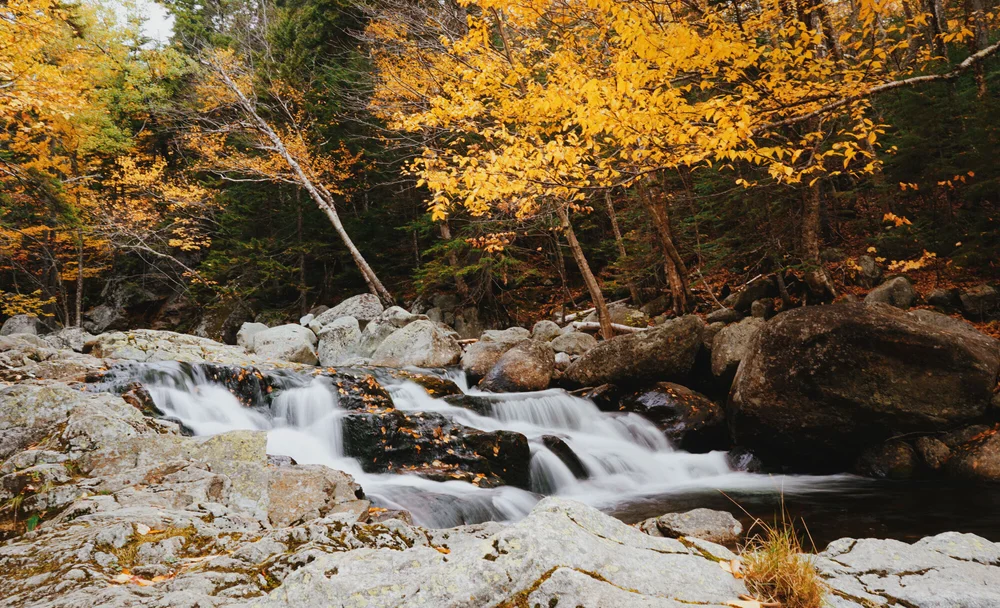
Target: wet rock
{"points": [[605, 396], [365, 307], [566, 454], [435, 447], [305, 492], [820, 384], [138, 397], [933, 452], [731, 345], [665, 353], [337, 340], [528, 366], [978, 458], [22, 324], [480, 357], [689, 420], [292, 343], [980, 303], [714, 526], [897, 291], [545, 331], [244, 337], [890, 460], [574, 343], [418, 344]]}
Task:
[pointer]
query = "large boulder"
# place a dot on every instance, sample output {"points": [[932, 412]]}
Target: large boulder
{"points": [[381, 327], [730, 345], [897, 291], [365, 307], [244, 337], [545, 330], [574, 343], [223, 321], [73, 338], [480, 357], [104, 317], [22, 324], [337, 341], [690, 420], [292, 343], [820, 384], [149, 345], [509, 336], [420, 344], [665, 353], [526, 367]]}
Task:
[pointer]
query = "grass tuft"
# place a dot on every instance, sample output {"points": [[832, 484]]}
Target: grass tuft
{"points": [[777, 573]]}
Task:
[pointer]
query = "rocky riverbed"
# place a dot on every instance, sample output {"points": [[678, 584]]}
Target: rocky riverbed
{"points": [[114, 494]]}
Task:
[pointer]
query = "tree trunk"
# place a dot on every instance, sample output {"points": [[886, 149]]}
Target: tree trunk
{"points": [[303, 288], [603, 316], [79, 277], [319, 194], [620, 244], [811, 206], [674, 266]]}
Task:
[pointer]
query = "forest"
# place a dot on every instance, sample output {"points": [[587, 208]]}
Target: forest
{"points": [[526, 157]]}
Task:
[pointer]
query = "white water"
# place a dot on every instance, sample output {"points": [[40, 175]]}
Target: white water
{"points": [[624, 455]]}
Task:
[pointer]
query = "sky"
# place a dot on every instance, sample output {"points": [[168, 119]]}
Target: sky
{"points": [[158, 23]]}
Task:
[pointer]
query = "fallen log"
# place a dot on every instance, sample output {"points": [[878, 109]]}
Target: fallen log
{"points": [[592, 326]]}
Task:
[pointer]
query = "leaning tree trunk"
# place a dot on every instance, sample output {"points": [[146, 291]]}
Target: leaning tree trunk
{"points": [[319, 194], [603, 315], [675, 268]]}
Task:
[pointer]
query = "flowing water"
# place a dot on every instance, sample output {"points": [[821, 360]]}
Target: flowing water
{"points": [[625, 457]]}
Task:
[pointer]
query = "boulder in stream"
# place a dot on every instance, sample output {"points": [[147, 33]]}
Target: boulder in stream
{"points": [[714, 526], [690, 420], [292, 343], [528, 366], [421, 343]]}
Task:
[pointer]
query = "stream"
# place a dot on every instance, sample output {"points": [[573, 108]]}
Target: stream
{"points": [[631, 469]]}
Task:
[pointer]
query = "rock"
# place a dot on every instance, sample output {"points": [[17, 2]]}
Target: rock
{"points": [[467, 323], [381, 327], [665, 353], [365, 307], [933, 452], [104, 317], [714, 526], [978, 458], [897, 291], [946, 570], [562, 361], [946, 300], [622, 314], [762, 287], [731, 344], [480, 357], [762, 309], [223, 321], [657, 306], [509, 336], [528, 366], [870, 272], [292, 343], [980, 303], [562, 553], [566, 454], [689, 420], [244, 337], [605, 396], [574, 343], [419, 344], [724, 315], [820, 384], [545, 331], [891, 460], [318, 310], [306, 492], [305, 319], [22, 324], [73, 338], [147, 345], [708, 336], [24, 356], [337, 341]]}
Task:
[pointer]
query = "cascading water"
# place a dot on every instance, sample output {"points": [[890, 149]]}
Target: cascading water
{"points": [[621, 455]]}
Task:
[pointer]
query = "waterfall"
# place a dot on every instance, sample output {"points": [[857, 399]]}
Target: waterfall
{"points": [[614, 456]]}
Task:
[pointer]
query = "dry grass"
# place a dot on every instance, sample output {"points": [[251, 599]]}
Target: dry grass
{"points": [[127, 554], [775, 571]]}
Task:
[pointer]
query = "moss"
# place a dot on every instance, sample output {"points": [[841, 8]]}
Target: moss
{"points": [[127, 553]]}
